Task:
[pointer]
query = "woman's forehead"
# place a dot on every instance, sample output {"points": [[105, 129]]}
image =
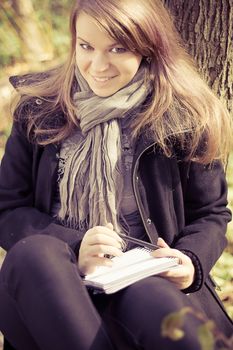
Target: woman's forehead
{"points": [[89, 30]]}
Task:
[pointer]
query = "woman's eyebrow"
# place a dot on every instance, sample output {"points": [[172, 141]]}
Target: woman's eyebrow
{"points": [[113, 44], [79, 37]]}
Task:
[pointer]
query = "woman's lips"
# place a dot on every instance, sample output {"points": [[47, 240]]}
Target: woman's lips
{"points": [[102, 79]]}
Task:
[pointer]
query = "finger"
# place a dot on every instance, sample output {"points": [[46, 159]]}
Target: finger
{"points": [[177, 275], [104, 239], [97, 261], [181, 282], [180, 274], [163, 252], [177, 272], [168, 252], [101, 250], [162, 243], [110, 226], [103, 230]]}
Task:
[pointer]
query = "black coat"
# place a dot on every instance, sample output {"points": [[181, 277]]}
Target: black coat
{"points": [[182, 202]]}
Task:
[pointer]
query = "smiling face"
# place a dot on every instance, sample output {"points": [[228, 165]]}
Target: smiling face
{"points": [[104, 63]]}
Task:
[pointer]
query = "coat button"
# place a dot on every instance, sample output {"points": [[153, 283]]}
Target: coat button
{"points": [[149, 221], [38, 101]]}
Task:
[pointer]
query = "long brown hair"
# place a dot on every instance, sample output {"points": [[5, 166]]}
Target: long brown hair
{"points": [[181, 108]]}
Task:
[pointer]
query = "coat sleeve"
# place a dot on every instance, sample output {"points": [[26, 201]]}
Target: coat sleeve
{"points": [[18, 216], [206, 214]]}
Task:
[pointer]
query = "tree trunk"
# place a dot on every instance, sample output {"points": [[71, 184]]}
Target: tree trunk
{"points": [[36, 45], [206, 26]]}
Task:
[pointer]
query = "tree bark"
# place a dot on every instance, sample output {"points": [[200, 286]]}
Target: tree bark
{"points": [[36, 45], [206, 27]]}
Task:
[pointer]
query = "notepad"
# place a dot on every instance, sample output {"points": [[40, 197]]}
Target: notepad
{"points": [[132, 266]]}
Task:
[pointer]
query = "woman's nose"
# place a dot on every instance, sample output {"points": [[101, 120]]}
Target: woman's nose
{"points": [[100, 62]]}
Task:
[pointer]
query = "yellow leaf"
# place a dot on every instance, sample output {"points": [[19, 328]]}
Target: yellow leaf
{"points": [[173, 323], [205, 336]]}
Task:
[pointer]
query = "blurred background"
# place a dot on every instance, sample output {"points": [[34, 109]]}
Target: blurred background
{"points": [[34, 36]]}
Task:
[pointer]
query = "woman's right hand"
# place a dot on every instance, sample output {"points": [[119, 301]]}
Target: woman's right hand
{"points": [[98, 242]]}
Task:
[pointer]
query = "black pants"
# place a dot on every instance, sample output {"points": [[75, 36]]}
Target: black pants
{"points": [[44, 305]]}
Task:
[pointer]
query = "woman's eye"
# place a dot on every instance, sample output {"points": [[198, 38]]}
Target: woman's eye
{"points": [[85, 46], [119, 50]]}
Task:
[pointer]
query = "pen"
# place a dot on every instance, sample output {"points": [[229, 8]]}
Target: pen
{"points": [[139, 242]]}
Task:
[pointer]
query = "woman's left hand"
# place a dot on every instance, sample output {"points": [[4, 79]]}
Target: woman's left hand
{"points": [[183, 275]]}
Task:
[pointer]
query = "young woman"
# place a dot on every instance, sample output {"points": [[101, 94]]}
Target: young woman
{"points": [[124, 137]]}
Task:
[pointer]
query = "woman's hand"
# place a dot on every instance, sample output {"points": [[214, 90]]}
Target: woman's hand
{"points": [[181, 276], [98, 242]]}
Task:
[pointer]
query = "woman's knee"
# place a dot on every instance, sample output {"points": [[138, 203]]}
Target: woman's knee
{"points": [[139, 311], [153, 295], [33, 254], [152, 289]]}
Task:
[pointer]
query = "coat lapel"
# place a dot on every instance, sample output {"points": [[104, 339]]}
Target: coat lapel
{"points": [[46, 179]]}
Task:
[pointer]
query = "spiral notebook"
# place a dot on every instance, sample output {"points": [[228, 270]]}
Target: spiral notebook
{"points": [[132, 266]]}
